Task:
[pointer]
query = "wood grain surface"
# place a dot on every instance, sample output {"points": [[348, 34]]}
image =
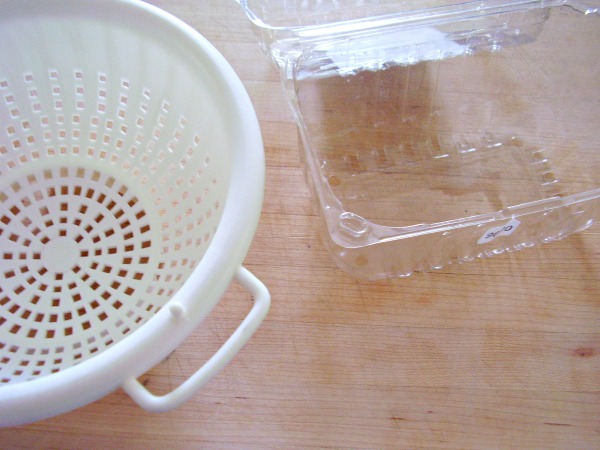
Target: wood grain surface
{"points": [[497, 353]]}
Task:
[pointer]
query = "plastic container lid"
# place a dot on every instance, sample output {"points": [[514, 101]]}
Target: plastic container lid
{"points": [[301, 14], [287, 28]]}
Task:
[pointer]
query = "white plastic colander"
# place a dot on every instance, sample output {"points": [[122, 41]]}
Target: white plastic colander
{"points": [[131, 184]]}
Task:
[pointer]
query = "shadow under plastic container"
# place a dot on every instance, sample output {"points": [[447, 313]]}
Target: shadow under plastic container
{"points": [[438, 135]]}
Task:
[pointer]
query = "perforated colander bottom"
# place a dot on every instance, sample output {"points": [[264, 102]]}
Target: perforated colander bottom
{"points": [[78, 254], [103, 215]]}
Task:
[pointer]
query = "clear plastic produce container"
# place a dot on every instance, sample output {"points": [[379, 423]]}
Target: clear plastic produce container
{"points": [[436, 132]]}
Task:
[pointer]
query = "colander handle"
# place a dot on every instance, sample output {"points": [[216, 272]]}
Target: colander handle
{"points": [[167, 402]]}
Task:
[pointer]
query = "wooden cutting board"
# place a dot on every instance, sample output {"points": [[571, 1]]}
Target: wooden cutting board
{"points": [[498, 353]]}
